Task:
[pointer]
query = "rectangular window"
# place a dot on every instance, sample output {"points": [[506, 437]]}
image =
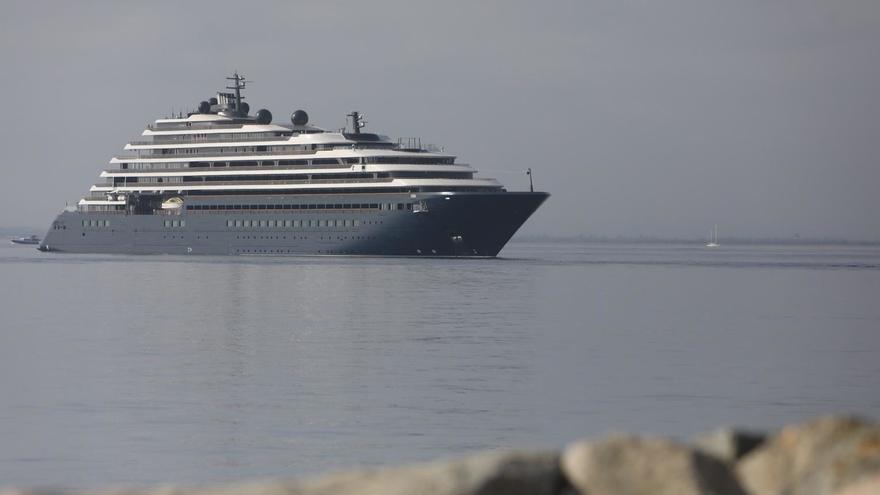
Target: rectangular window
{"points": [[85, 223], [183, 223], [357, 223], [297, 224], [167, 223], [238, 223], [287, 223], [399, 206], [229, 223], [247, 223], [106, 223], [271, 223], [262, 223], [175, 223]]}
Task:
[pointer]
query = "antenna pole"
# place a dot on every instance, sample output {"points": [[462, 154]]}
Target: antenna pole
{"points": [[238, 85], [531, 185]]}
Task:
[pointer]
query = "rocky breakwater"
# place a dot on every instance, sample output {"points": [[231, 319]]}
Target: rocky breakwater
{"points": [[833, 456]]}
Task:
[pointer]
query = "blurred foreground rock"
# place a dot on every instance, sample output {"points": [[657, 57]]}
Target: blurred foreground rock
{"points": [[826, 456], [626, 464], [728, 444]]}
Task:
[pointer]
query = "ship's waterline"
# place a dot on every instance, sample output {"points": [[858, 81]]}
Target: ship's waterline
{"points": [[432, 224]]}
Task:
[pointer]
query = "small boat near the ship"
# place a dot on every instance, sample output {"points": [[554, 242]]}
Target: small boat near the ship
{"points": [[26, 240]]}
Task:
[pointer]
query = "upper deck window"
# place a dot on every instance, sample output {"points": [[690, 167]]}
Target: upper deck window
{"points": [[411, 160]]}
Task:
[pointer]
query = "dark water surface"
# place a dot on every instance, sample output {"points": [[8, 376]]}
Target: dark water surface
{"points": [[149, 369]]}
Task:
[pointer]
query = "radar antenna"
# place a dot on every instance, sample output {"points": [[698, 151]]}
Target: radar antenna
{"points": [[238, 85]]}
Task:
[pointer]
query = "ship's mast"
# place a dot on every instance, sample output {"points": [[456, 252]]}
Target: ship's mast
{"points": [[238, 85], [357, 122]]}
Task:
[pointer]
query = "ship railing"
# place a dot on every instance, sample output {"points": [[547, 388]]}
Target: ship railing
{"points": [[231, 169], [227, 153], [150, 154], [415, 144], [98, 209], [183, 156], [211, 140], [96, 197], [149, 185], [193, 126]]}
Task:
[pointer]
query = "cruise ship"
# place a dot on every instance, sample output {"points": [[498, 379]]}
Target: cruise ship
{"points": [[223, 181]]}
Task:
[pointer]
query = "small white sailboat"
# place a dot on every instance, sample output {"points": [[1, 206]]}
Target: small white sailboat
{"points": [[713, 238]]}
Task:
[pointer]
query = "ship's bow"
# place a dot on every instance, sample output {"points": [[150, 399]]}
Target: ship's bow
{"points": [[480, 224]]}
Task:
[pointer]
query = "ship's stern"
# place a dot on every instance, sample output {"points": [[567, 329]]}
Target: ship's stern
{"points": [[58, 232]]}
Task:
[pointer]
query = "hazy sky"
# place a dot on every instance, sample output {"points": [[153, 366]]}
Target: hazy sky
{"points": [[639, 117]]}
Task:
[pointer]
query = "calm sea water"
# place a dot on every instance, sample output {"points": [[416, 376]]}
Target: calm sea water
{"points": [[149, 369]]}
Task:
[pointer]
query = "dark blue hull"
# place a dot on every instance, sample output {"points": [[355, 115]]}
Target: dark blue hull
{"points": [[475, 224]]}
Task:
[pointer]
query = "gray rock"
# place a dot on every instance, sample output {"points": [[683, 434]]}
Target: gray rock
{"points": [[635, 465], [728, 444], [498, 473], [819, 457], [494, 473]]}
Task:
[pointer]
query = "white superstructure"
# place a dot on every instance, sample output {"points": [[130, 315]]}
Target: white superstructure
{"points": [[220, 149]]}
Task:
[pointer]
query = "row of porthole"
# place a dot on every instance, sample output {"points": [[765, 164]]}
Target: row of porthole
{"points": [[96, 223], [362, 206], [289, 251], [294, 224], [304, 238]]}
